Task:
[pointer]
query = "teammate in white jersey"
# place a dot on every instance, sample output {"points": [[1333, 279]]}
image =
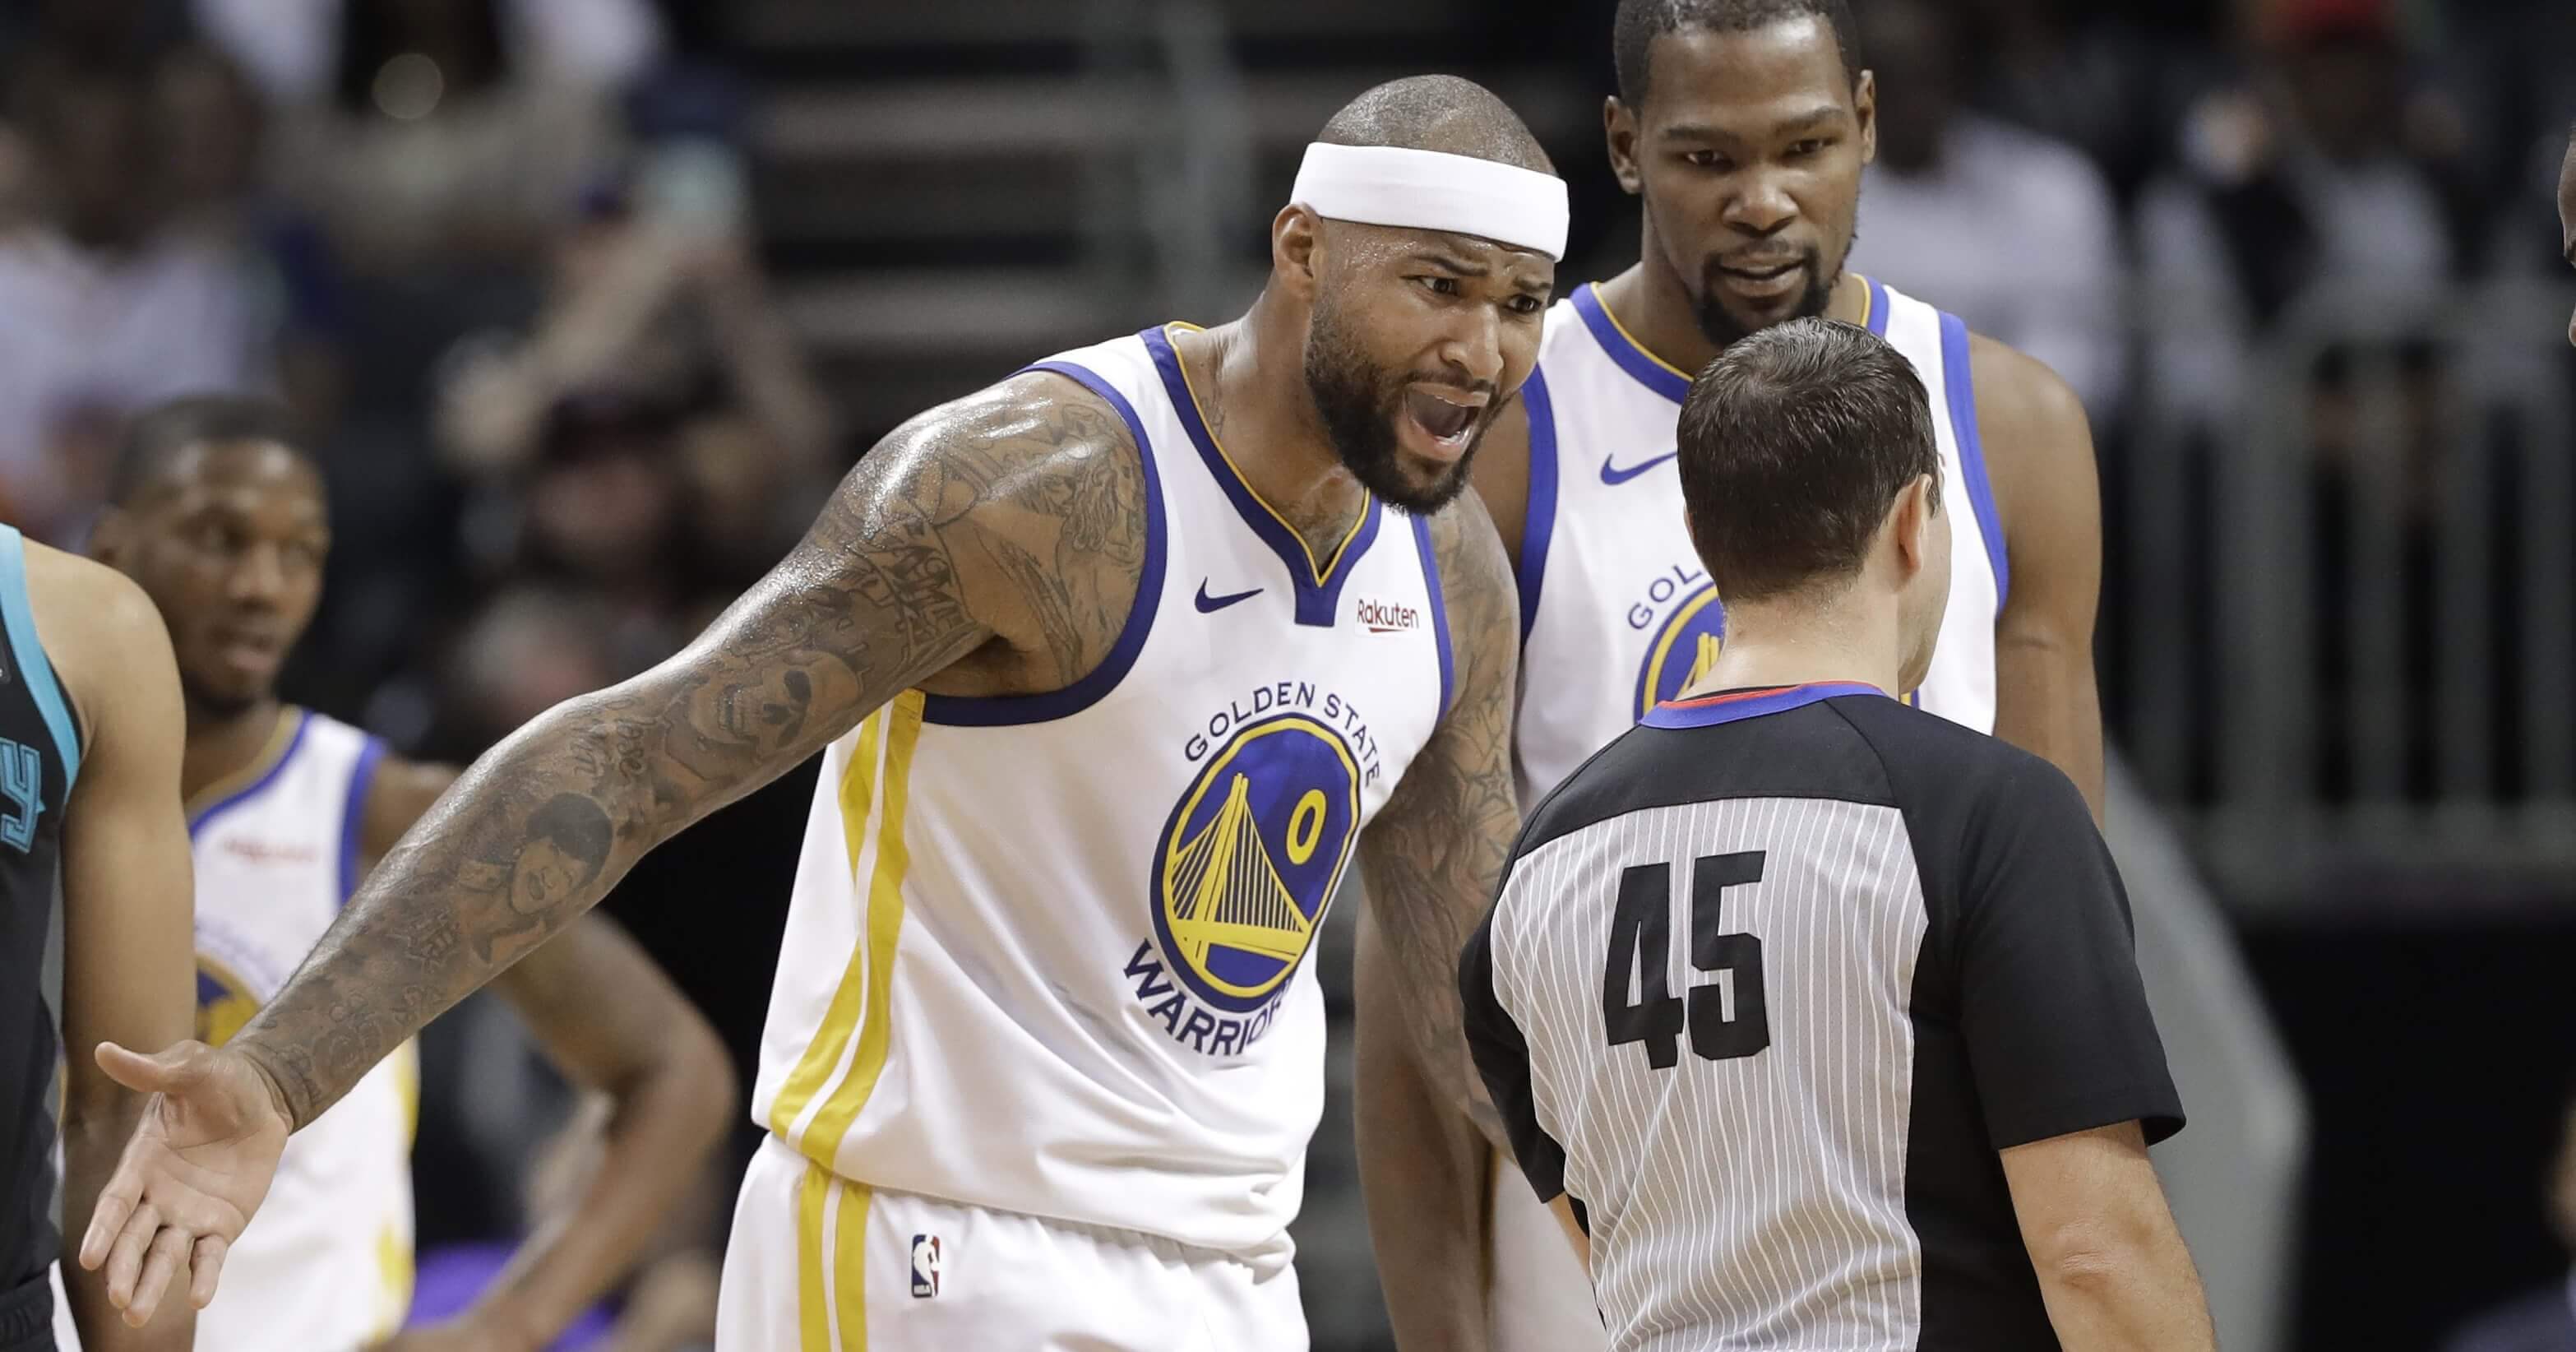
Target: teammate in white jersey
{"points": [[221, 519], [1743, 126], [1110, 665]]}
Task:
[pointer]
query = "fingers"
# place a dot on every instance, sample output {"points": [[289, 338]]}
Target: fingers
{"points": [[116, 1204], [170, 1070], [125, 1260], [206, 1270], [168, 1253]]}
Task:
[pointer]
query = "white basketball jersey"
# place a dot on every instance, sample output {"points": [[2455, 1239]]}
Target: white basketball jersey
{"points": [[1617, 613], [1046, 954], [327, 1262]]}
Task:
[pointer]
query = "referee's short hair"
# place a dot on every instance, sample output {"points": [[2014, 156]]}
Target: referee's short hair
{"points": [[1792, 446]]}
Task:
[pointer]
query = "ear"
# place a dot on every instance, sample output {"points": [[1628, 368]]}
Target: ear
{"points": [[1619, 127], [1910, 524], [1865, 107], [1296, 251]]}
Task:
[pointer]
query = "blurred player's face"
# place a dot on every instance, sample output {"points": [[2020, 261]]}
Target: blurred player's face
{"points": [[229, 543], [1926, 597], [1748, 152], [1416, 340], [2567, 218]]}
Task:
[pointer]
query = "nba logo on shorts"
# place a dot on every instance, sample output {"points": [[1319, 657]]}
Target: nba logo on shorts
{"points": [[926, 1262]]}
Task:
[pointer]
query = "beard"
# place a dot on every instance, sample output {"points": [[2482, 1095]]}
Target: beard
{"points": [[1359, 404], [1724, 329]]}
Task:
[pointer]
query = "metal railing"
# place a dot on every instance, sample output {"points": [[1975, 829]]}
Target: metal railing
{"points": [[2350, 631]]}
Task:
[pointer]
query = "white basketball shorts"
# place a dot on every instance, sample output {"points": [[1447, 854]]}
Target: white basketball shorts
{"points": [[820, 1264]]}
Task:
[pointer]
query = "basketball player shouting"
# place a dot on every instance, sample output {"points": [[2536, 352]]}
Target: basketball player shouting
{"points": [[1743, 126], [89, 799], [216, 513], [1110, 665]]}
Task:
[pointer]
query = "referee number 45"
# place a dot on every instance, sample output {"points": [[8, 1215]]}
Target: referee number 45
{"points": [[1725, 1017]]}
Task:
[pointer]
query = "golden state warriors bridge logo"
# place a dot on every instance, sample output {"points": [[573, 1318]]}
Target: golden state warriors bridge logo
{"points": [[1689, 629], [1246, 865]]}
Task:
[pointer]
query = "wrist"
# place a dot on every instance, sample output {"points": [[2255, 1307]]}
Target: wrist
{"points": [[272, 1081]]}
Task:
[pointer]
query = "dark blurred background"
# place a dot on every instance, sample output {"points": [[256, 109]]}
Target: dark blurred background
{"points": [[587, 302]]}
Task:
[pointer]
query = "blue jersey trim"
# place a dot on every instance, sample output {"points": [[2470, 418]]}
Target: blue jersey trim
{"points": [[1636, 361], [1959, 386], [353, 814], [1439, 606], [1711, 710], [1877, 308], [1008, 710], [197, 824], [29, 649], [1318, 589], [1538, 515]]}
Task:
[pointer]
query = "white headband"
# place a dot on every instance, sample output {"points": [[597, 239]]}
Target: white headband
{"points": [[1428, 190]]}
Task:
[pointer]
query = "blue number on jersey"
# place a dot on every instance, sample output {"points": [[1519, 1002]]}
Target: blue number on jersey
{"points": [[22, 784]]}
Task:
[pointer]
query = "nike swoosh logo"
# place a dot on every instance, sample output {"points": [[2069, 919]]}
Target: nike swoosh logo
{"points": [[1614, 476], [1209, 605]]}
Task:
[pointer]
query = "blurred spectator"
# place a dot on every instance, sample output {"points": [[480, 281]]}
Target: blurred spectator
{"points": [[2325, 174], [292, 47], [442, 143], [105, 305], [2545, 1320], [2012, 231], [2061, 68], [656, 373]]}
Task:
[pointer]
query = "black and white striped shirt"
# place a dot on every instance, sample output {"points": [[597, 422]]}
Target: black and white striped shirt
{"points": [[1770, 982]]}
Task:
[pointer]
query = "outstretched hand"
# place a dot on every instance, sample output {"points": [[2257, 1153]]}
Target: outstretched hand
{"points": [[202, 1157]]}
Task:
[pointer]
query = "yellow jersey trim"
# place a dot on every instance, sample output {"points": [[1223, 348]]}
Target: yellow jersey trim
{"points": [[1321, 571], [280, 739]]}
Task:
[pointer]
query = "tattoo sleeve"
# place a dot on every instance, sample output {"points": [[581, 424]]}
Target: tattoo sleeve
{"points": [[1008, 526], [1436, 851]]}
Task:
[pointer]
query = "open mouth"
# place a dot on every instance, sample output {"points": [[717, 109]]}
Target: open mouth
{"points": [[1444, 418]]}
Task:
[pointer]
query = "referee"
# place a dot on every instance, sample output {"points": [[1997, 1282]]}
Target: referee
{"points": [[1815, 1016]]}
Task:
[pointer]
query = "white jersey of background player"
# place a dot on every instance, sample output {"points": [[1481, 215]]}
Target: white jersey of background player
{"points": [[1743, 127], [1111, 664], [329, 1266], [223, 522]]}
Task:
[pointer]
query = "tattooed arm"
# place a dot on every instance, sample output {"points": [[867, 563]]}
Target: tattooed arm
{"points": [[991, 546], [1430, 863]]}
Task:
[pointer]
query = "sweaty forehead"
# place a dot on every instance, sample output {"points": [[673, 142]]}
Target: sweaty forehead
{"points": [[1784, 68]]}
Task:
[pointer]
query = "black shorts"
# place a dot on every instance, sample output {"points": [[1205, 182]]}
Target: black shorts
{"points": [[27, 1317]]}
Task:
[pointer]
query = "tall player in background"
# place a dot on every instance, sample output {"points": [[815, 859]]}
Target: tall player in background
{"points": [[219, 516], [1743, 126], [1110, 664], [89, 797]]}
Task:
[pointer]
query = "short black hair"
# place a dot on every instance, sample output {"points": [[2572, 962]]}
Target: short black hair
{"points": [[1640, 22], [1442, 113], [158, 434], [1793, 444]]}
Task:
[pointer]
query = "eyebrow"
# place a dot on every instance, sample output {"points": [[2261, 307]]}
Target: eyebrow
{"points": [[1457, 263], [1789, 126]]}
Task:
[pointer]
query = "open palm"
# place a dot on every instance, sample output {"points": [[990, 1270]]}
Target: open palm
{"points": [[201, 1160]]}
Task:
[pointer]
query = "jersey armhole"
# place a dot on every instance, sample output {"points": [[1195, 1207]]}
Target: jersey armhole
{"points": [[1959, 391], [1439, 610], [353, 814], [997, 711], [27, 649], [1538, 513]]}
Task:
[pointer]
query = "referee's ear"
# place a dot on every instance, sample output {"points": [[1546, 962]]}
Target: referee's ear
{"points": [[1916, 526]]}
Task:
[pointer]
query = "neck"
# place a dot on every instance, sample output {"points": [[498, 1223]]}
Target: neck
{"points": [[223, 744], [1790, 643], [1250, 378], [1655, 308]]}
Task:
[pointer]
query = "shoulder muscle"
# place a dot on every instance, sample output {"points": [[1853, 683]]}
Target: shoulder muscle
{"points": [[105, 640], [2038, 443]]}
